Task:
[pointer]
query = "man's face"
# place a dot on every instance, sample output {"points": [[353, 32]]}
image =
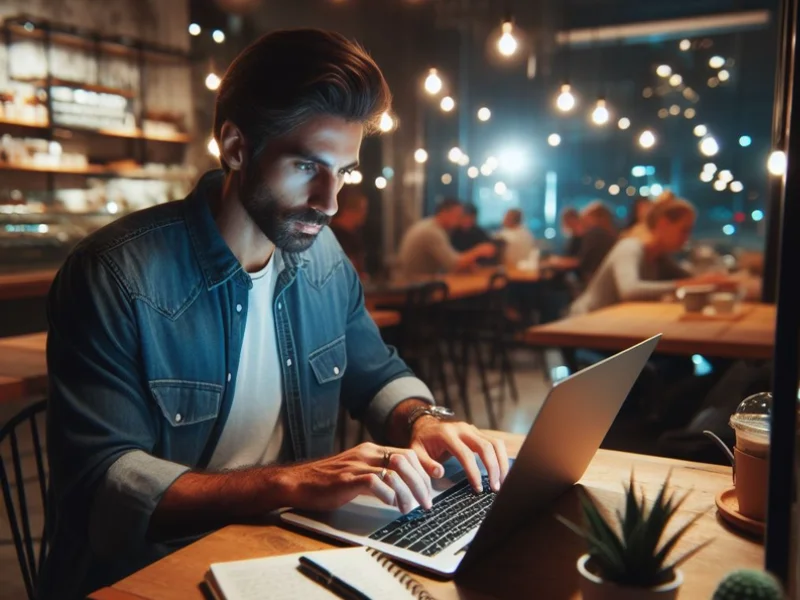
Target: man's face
{"points": [[290, 190], [467, 221], [452, 217]]}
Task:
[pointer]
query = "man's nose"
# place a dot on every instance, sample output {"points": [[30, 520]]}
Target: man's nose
{"points": [[323, 194]]}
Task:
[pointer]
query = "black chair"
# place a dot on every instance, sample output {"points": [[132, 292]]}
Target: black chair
{"points": [[24, 540]]}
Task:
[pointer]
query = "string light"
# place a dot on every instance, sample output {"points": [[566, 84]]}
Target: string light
{"points": [[716, 62], [433, 83], [194, 29], [386, 123], [484, 114], [624, 123], [689, 113], [463, 160], [213, 81], [472, 172], [630, 190], [554, 139], [613, 189], [507, 44], [647, 139], [745, 141], [700, 130], [776, 164], [710, 167], [706, 176], [720, 185], [492, 162], [724, 75], [500, 188], [728, 229], [757, 215], [736, 186], [218, 35], [380, 182], [725, 175], [356, 177], [447, 179], [455, 154], [709, 146], [675, 80], [565, 101], [600, 113], [656, 189], [663, 70], [420, 155], [685, 45], [486, 170], [713, 82], [447, 104], [663, 113], [674, 110]]}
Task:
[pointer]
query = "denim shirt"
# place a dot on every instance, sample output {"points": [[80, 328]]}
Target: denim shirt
{"points": [[146, 321]]}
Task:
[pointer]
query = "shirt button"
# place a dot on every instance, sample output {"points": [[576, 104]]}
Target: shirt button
{"points": [[229, 376], [289, 362], [335, 370], [238, 308], [178, 418]]}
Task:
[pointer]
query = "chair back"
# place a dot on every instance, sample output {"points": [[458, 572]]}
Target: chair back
{"points": [[16, 504], [420, 315]]}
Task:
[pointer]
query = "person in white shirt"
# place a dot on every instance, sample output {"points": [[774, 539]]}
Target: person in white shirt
{"points": [[518, 239]]}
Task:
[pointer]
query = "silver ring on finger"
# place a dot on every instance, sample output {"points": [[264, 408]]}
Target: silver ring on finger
{"points": [[384, 471]]}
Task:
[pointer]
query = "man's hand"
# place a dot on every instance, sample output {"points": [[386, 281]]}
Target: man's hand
{"points": [[331, 482], [433, 440]]}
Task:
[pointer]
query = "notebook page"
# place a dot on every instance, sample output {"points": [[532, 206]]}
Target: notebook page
{"points": [[277, 577]]}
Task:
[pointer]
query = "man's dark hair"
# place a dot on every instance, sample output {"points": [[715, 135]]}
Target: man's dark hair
{"points": [[569, 213], [447, 204], [470, 210], [285, 78], [514, 216]]}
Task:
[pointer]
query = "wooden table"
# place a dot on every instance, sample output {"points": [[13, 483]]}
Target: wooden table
{"points": [[748, 334], [537, 562], [30, 284], [22, 358]]}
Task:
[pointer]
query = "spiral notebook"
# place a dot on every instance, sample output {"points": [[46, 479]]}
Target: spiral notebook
{"points": [[279, 578]]}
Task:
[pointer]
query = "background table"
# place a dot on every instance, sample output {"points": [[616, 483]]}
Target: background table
{"points": [[538, 561], [748, 334]]}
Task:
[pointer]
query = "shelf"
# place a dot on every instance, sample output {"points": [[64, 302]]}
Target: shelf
{"points": [[90, 87], [176, 138], [96, 170]]}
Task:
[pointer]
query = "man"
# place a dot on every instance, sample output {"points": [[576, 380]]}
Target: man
{"points": [[573, 228], [426, 248], [198, 350], [518, 240], [349, 223]]}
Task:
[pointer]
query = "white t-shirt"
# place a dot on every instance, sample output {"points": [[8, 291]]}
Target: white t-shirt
{"points": [[253, 433], [519, 243]]}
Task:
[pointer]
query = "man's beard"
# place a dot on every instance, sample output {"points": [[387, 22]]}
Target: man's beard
{"points": [[279, 223]]}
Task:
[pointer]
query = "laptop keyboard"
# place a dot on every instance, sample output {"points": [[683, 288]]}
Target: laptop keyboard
{"points": [[455, 512]]}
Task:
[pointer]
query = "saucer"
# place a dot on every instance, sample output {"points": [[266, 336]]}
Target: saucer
{"points": [[728, 507]]}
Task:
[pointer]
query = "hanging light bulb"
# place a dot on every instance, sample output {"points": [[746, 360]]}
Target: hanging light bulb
{"points": [[507, 44], [433, 83], [700, 130], [386, 123], [716, 62], [685, 45], [600, 113], [447, 104], [194, 29], [420, 155], [709, 146], [356, 177], [455, 154], [624, 123], [554, 139], [675, 80], [380, 182], [212, 81], [565, 101], [647, 139], [218, 35], [484, 114], [663, 70], [777, 162], [500, 188], [472, 172]]}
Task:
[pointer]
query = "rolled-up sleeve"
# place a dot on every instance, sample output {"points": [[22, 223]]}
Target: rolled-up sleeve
{"points": [[376, 379], [101, 426]]}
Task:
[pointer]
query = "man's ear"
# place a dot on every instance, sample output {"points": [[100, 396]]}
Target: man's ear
{"points": [[232, 146]]}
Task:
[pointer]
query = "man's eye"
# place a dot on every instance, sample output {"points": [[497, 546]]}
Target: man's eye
{"points": [[306, 167]]}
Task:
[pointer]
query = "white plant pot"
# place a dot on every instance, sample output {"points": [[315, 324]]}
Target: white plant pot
{"points": [[594, 588]]}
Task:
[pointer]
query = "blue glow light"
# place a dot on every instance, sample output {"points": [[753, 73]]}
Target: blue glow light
{"points": [[656, 189], [757, 215], [650, 170], [745, 141], [639, 171], [644, 190], [728, 229], [701, 365], [549, 233]]}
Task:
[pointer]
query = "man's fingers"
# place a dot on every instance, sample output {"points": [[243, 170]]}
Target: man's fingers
{"points": [[372, 484], [417, 481], [404, 497], [432, 467], [486, 451], [502, 455], [466, 457], [412, 457]]}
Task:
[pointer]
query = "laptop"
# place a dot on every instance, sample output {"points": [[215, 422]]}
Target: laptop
{"points": [[463, 525]]}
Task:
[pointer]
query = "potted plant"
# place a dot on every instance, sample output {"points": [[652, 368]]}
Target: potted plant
{"points": [[629, 560]]}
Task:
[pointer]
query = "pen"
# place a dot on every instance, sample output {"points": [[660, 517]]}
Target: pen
{"points": [[327, 579]]}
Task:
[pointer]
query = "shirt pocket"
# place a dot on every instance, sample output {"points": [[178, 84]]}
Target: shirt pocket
{"points": [[328, 363], [184, 403]]}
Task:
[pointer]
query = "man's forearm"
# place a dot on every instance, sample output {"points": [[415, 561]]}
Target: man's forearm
{"points": [[398, 432], [198, 502]]}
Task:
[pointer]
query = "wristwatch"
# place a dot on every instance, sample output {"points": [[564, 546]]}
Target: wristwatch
{"points": [[439, 412]]}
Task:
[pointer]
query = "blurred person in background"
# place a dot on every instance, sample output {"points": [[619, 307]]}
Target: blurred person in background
{"points": [[518, 240], [641, 267], [637, 217], [348, 225], [468, 235], [598, 237], [181, 396], [572, 227], [426, 248]]}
